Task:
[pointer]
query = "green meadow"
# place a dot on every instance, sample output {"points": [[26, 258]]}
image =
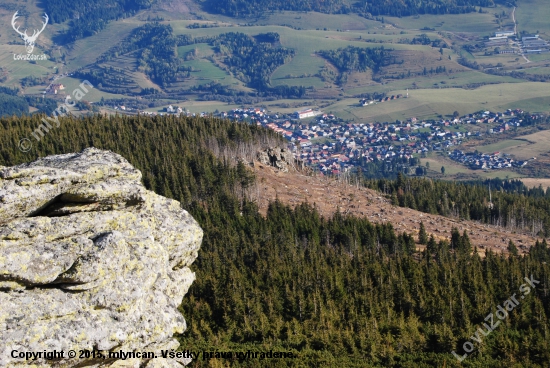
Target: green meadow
{"points": [[436, 102], [93, 95], [532, 17], [18, 69], [467, 23], [86, 51], [523, 147]]}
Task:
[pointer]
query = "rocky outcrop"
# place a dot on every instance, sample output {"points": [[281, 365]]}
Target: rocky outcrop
{"points": [[280, 158], [90, 260]]}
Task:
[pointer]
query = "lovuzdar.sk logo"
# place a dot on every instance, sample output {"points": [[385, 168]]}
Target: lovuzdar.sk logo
{"points": [[29, 40]]}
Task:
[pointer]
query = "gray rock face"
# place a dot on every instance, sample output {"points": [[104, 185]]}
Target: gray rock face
{"points": [[90, 260], [280, 158]]}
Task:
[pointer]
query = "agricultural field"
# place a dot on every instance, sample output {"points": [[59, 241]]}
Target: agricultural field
{"points": [[537, 70], [17, 69], [86, 51], [313, 20], [542, 57], [93, 95], [532, 17], [196, 107], [432, 94], [524, 147], [478, 23], [439, 102]]}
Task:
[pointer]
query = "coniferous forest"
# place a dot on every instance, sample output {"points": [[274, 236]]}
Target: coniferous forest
{"points": [[360, 59], [512, 204], [337, 292], [89, 17], [401, 8]]}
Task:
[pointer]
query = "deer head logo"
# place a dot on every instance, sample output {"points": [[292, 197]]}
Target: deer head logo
{"points": [[29, 40]]}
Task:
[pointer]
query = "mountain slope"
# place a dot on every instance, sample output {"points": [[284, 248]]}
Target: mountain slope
{"points": [[329, 196], [333, 291]]}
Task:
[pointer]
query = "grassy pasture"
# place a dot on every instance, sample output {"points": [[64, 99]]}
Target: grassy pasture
{"points": [[486, 97], [539, 57], [506, 146], [451, 167], [306, 81], [540, 70], [532, 16], [313, 20], [507, 60], [87, 50], [288, 106], [468, 23], [306, 43], [93, 95], [382, 111], [414, 61], [206, 71], [197, 107], [533, 104], [442, 80], [17, 69], [429, 103], [524, 147], [142, 80]]}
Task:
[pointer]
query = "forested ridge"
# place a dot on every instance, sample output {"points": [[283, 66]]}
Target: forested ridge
{"points": [[155, 48], [89, 17], [339, 291], [510, 204], [250, 59], [244, 8], [12, 103], [360, 59]]}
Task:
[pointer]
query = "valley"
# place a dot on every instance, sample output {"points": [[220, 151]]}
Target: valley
{"points": [[444, 63], [344, 183], [439, 57]]}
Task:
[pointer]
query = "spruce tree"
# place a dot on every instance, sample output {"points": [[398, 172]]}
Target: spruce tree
{"points": [[512, 248], [422, 235]]}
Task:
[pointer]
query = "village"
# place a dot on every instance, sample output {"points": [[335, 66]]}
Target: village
{"points": [[493, 161], [332, 145]]}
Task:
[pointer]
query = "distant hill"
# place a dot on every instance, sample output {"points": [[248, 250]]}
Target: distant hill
{"points": [[335, 291], [243, 8], [89, 17]]}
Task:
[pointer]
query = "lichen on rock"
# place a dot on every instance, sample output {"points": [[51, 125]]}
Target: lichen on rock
{"points": [[90, 260]]}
